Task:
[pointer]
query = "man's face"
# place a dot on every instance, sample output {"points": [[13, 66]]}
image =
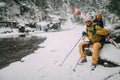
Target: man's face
{"points": [[88, 23]]}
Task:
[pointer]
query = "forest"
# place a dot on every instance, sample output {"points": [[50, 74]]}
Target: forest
{"points": [[38, 10]]}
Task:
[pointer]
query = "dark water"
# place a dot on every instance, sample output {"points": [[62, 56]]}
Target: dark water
{"points": [[13, 49]]}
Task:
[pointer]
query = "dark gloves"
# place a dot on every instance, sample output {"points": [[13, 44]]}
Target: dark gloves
{"points": [[93, 31], [83, 33]]}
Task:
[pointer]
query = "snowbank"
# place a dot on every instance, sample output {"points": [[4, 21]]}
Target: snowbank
{"points": [[44, 63]]}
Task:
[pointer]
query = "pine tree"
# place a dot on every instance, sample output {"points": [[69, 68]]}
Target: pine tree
{"points": [[114, 7]]}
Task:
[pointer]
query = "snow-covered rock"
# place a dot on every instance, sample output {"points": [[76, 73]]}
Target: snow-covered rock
{"points": [[110, 53]]}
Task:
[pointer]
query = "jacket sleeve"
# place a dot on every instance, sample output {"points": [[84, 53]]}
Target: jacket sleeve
{"points": [[101, 31]]}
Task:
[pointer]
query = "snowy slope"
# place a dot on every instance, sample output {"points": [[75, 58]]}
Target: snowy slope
{"points": [[44, 63]]}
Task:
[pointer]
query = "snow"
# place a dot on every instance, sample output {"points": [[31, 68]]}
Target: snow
{"points": [[44, 63], [2, 4], [42, 23], [55, 16], [112, 53], [68, 24]]}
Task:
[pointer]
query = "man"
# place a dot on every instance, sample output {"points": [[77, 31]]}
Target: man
{"points": [[94, 34]]}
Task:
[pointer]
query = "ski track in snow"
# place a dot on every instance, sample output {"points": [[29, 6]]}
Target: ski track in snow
{"points": [[43, 64]]}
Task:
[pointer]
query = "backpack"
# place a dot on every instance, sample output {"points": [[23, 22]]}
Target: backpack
{"points": [[98, 22]]}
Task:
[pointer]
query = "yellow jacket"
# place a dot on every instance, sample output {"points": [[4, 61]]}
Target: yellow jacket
{"points": [[97, 36]]}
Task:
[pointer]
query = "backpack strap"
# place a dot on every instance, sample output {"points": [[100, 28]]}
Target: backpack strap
{"points": [[95, 27]]}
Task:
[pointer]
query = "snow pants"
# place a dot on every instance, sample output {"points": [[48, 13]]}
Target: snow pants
{"points": [[96, 46]]}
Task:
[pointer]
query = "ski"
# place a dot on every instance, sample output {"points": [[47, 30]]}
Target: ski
{"points": [[78, 12], [113, 42]]}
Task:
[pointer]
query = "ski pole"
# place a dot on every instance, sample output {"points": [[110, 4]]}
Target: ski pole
{"points": [[70, 51], [74, 69]]}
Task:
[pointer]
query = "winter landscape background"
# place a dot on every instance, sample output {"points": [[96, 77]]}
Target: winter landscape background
{"points": [[47, 30]]}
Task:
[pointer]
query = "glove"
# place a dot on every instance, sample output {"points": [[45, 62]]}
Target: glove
{"points": [[83, 33], [93, 31]]}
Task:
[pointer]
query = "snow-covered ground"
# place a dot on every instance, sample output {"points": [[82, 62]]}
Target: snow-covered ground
{"points": [[44, 63]]}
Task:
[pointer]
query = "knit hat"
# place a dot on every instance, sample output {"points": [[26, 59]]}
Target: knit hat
{"points": [[88, 19]]}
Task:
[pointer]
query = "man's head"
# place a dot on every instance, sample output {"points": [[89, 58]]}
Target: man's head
{"points": [[88, 22]]}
